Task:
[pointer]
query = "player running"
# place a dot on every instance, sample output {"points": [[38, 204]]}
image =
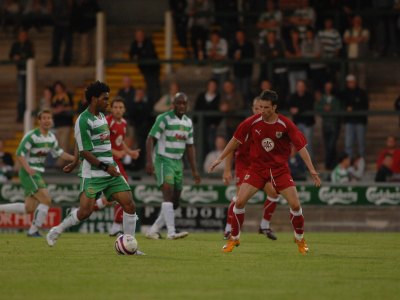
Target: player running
{"points": [[173, 135], [270, 136], [31, 154], [242, 161], [99, 171]]}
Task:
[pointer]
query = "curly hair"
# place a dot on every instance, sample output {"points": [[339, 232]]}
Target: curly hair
{"points": [[95, 89]]}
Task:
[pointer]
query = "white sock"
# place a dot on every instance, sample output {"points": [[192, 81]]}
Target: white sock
{"points": [[129, 223], [100, 203], [228, 227], [169, 216], [39, 217], [16, 208], [115, 227], [297, 236], [264, 224], [158, 224], [69, 221]]}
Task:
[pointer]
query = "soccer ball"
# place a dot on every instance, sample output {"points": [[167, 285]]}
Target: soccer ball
{"points": [[126, 245]]}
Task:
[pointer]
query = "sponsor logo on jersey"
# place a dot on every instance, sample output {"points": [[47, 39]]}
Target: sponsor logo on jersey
{"points": [[268, 144], [180, 137], [246, 177]]}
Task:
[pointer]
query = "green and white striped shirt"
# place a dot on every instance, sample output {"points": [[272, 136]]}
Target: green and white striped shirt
{"points": [[172, 134], [92, 134], [35, 146]]}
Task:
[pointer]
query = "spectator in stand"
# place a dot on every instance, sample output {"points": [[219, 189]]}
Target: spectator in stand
{"points": [[217, 51], [273, 48], [385, 172], [393, 150], [165, 102], [357, 168], [11, 14], [6, 164], [127, 91], [140, 118], [36, 14], [242, 49], [227, 17], [45, 101], [329, 103], [356, 39], [297, 167], [199, 23], [265, 84], [181, 20], [220, 143], [209, 101], [142, 48], [270, 21], [397, 106], [84, 21], [340, 173], [354, 100], [300, 102], [20, 51], [297, 71], [303, 17], [61, 12], [62, 109], [231, 102]]}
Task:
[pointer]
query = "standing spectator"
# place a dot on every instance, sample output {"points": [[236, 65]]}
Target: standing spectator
{"points": [[36, 14], [165, 102], [20, 51], [181, 20], [199, 23], [84, 21], [241, 50], [300, 102], [303, 17], [297, 71], [355, 99], [393, 150], [217, 51], [209, 101], [45, 101], [385, 172], [11, 14], [227, 17], [356, 38], [330, 124], [270, 21], [220, 143], [340, 173], [273, 48], [142, 48], [62, 109], [61, 11]]}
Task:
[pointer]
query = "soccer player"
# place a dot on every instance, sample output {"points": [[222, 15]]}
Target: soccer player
{"points": [[172, 133], [270, 136], [242, 161], [99, 172], [31, 154]]}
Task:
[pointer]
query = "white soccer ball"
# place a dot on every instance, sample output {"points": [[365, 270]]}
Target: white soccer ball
{"points": [[126, 245]]}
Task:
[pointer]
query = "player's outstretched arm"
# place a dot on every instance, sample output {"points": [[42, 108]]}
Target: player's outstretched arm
{"points": [[71, 166], [191, 152], [132, 153], [232, 146], [307, 160], [227, 175]]}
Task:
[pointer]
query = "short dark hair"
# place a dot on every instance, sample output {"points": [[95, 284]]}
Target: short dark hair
{"points": [[269, 95], [118, 99], [95, 89], [44, 111]]}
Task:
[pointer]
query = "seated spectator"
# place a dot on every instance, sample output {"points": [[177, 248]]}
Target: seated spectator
{"points": [[385, 172], [393, 150], [270, 21], [340, 173], [6, 164], [45, 101], [165, 102], [217, 51], [357, 168], [220, 143]]}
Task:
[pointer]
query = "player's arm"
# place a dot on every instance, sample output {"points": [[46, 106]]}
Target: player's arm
{"points": [[118, 153], [71, 166], [132, 153], [89, 157], [22, 150], [232, 146], [66, 156], [227, 175], [303, 152], [191, 152], [150, 142], [25, 165]]}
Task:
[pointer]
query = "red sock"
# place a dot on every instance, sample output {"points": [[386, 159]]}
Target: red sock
{"points": [[297, 220], [237, 220], [269, 208], [118, 212], [229, 217]]}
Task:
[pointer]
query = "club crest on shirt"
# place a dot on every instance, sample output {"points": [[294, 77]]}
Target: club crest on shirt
{"points": [[268, 144], [278, 134]]}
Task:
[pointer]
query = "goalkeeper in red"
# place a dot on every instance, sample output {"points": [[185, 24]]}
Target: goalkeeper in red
{"points": [[271, 136]]}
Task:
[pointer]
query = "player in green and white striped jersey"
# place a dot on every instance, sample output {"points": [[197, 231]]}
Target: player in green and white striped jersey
{"points": [[172, 133], [31, 154], [99, 172]]}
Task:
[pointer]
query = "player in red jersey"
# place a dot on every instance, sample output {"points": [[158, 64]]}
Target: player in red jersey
{"points": [[271, 136], [242, 161], [117, 125]]}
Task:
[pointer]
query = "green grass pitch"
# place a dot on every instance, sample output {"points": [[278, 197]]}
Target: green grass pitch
{"points": [[339, 266]]}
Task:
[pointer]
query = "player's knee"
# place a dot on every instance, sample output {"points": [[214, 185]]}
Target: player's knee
{"points": [[240, 204], [295, 207], [129, 207], [29, 209]]}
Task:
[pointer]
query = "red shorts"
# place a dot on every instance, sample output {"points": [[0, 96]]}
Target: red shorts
{"points": [[239, 174], [121, 169], [279, 177]]}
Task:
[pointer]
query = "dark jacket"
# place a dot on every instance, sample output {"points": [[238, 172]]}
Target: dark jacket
{"points": [[242, 70], [143, 52], [24, 50], [357, 99], [304, 103]]}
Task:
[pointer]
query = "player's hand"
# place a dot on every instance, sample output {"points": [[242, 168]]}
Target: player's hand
{"points": [[196, 177], [316, 179], [227, 177], [213, 165], [119, 154], [70, 167], [149, 168], [113, 171], [30, 171], [134, 153]]}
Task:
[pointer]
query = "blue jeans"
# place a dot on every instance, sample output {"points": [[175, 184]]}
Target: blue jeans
{"points": [[308, 133], [353, 133]]}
